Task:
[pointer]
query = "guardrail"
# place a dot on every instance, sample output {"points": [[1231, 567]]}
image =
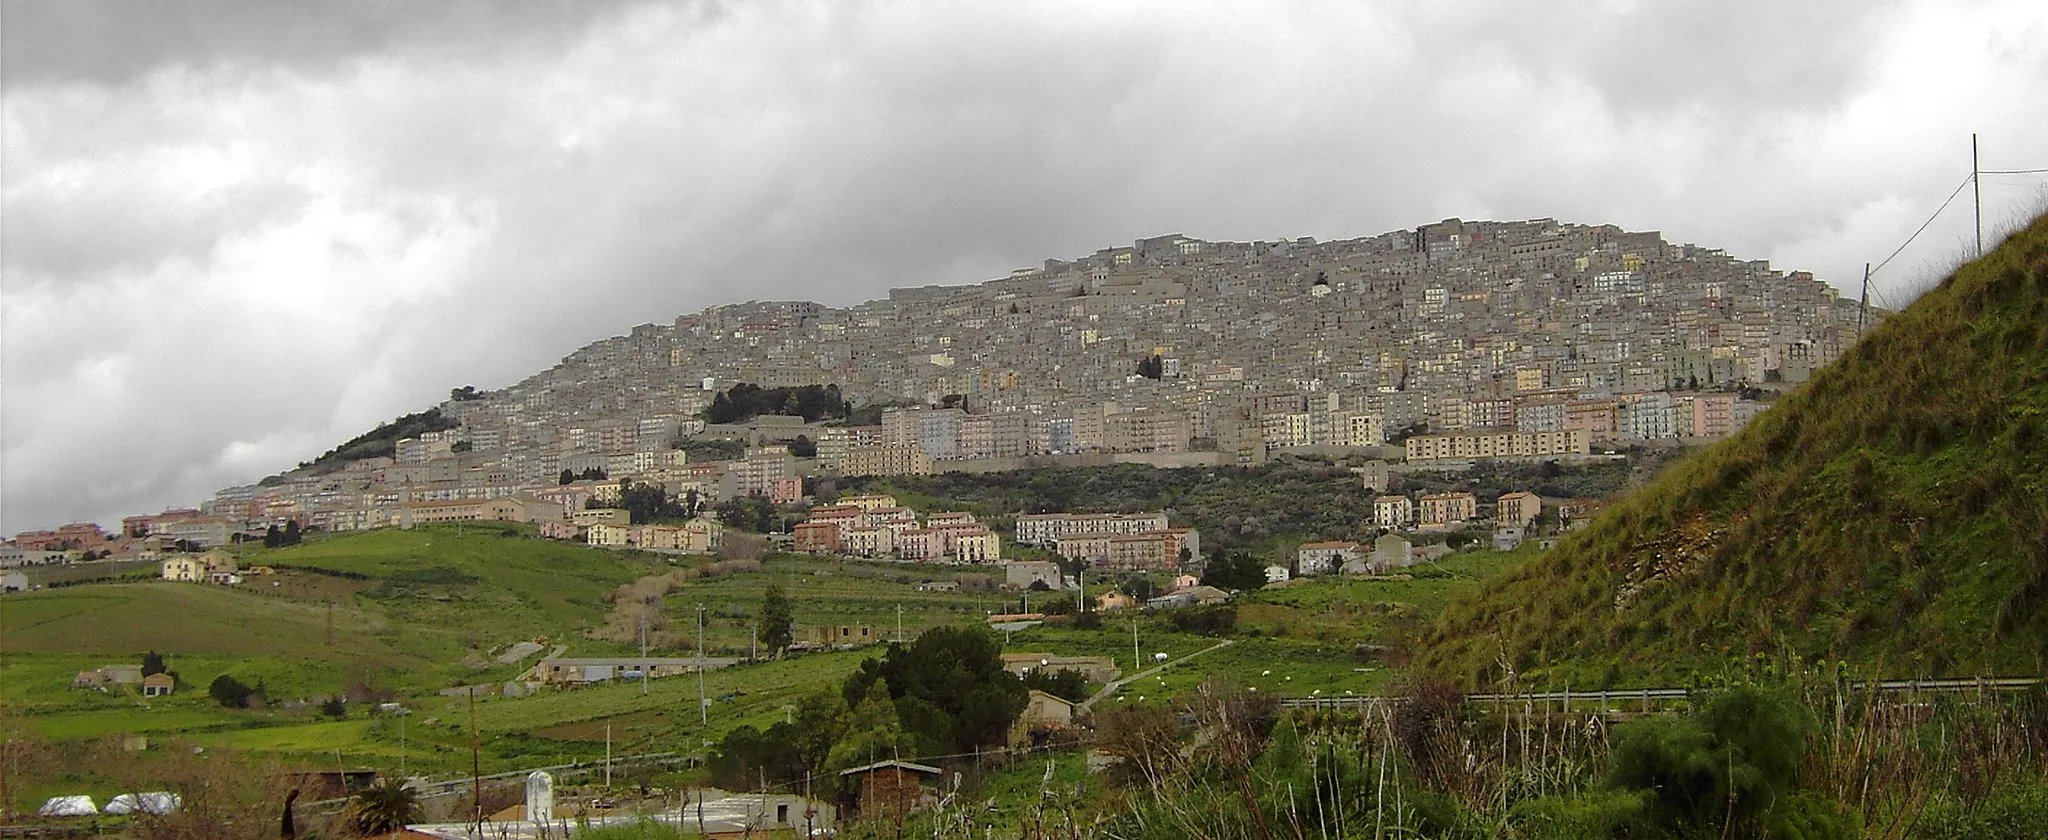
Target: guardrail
{"points": [[1612, 698]]}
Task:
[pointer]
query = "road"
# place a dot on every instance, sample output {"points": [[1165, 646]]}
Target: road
{"points": [[1112, 687]]}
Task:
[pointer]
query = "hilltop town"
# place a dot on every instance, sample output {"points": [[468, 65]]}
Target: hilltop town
{"points": [[1455, 341]]}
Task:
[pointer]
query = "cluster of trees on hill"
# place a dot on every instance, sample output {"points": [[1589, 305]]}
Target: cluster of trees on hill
{"points": [[944, 694], [381, 442], [645, 503], [1152, 367], [588, 474], [746, 401]]}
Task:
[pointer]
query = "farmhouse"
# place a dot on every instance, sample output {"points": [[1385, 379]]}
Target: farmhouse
{"points": [[158, 685]]}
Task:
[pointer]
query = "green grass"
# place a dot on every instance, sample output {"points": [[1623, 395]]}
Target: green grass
{"points": [[409, 606], [1889, 513]]}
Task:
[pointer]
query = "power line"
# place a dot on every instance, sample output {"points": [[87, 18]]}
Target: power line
{"points": [[1967, 180], [2013, 171]]}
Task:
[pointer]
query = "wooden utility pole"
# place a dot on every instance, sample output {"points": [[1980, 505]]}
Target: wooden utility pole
{"points": [[703, 707], [1863, 309], [476, 767], [1977, 186]]}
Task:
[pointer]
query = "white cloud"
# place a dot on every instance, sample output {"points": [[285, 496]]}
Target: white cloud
{"points": [[226, 254]]}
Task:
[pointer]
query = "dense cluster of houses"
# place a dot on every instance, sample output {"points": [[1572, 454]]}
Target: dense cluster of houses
{"points": [[1129, 542], [875, 526], [1513, 515]]}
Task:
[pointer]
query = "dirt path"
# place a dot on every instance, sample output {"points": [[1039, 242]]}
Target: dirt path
{"points": [[1112, 687]]}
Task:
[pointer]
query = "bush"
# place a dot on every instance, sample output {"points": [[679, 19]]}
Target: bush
{"points": [[1213, 620], [1721, 768], [1615, 814], [229, 692]]}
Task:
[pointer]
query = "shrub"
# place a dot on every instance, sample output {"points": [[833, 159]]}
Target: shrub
{"points": [[1723, 767], [229, 692]]}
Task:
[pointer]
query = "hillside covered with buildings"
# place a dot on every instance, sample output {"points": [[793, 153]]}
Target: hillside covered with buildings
{"points": [[1455, 341]]}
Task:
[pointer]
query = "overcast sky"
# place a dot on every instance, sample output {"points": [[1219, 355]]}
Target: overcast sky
{"points": [[237, 233]]}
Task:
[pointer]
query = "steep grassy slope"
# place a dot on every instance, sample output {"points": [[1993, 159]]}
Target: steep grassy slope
{"points": [[1893, 512]]}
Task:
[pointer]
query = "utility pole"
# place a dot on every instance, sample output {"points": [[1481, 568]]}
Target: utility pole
{"points": [[1134, 646], [607, 755], [402, 713], [476, 767], [1977, 187], [1863, 309], [643, 659], [703, 706], [899, 624]]}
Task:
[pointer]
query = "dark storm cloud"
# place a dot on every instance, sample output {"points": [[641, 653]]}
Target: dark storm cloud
{"points": [[118, 41], [231, 246]]}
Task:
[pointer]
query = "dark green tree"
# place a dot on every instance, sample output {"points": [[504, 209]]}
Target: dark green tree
{"points": [[229, 692], [335, 708], [566, 477], [272, 537], [291, 535], [1234, 570], [152, 663], [1140, 587], [1065, 683], [949, 687], [385, 808], [1152, 367], [777, 619]]}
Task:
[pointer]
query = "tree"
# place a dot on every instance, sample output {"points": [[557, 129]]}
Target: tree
{"points": [[335, 708], [1065, 683], [949, 688], [566, 477], [152, 663], [1234, 570], [1140, 587], [272, 537], [1152, 367], [776, 619], [386, 808], [229, 692], [292, 534]]}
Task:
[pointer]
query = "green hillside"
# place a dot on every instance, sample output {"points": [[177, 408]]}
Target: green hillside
{"points": [[1892, 512]]}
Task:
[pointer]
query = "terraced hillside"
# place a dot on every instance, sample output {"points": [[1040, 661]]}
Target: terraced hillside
{"points": [[1893, 512]]}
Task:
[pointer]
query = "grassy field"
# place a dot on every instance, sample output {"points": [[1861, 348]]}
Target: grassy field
{"points": [[409, 607]]}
